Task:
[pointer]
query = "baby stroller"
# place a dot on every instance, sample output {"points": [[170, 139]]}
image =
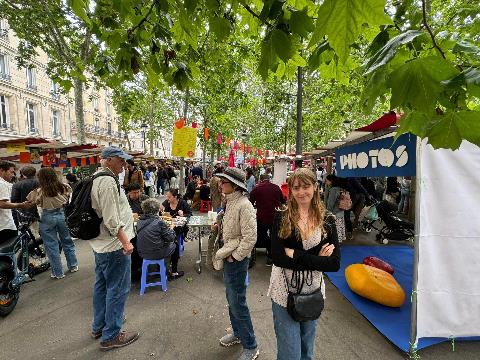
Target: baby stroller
{"points": [[394, 228]]}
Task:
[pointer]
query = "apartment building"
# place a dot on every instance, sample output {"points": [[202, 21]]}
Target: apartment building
{"points": [[31, 104], [162, 146]]}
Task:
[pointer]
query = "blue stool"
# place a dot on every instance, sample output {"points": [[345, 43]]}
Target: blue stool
{"points": [[181, 246], [145, 273]]}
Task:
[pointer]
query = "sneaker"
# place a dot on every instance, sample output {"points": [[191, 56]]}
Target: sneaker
{"points": [[249, 354], [98, 334], [74, 269], [57, 277], [171, 277], [229, 340], [269, 261], [123, 339]]}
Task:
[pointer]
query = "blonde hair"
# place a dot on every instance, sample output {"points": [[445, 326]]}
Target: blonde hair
{"points": [[291, 214]]}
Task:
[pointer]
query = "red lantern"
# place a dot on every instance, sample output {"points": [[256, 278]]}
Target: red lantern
{"points": [[180, 123], [205, 133], [219, 139]]}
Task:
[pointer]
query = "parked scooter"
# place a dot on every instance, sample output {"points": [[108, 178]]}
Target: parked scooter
{"points": [[21, 257]]}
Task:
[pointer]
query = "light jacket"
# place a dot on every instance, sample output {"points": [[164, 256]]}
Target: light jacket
{"points": [[239, 226], [112, 206]]}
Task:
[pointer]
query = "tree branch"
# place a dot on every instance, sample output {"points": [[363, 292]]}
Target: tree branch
{"points": [[254, 14], [144, 19], [435, 45]]}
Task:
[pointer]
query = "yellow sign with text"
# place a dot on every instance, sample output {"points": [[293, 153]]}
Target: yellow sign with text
{"points": [[16, 148], [184, 142]]}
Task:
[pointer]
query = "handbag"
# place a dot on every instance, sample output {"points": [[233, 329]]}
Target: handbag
{"points": [[304, 307]]}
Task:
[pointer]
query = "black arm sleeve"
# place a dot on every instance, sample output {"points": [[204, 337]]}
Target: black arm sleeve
{"points": [[279, 257], [187, 211], [15, 195], [168, 235], [321, 263]]}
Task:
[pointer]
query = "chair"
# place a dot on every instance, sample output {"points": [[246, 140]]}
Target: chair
{"points": [[145, 273], [205, 206]]}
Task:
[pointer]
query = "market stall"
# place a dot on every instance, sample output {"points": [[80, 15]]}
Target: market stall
{"points": [[437, 274]]}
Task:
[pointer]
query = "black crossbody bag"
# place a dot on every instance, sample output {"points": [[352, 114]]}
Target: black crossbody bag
{"points": [[304, 307]]}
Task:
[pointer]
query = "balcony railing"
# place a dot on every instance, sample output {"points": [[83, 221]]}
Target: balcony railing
{"points": [[99, 131], [32, 87], [55, 95], [6, 127], [5, 77]]}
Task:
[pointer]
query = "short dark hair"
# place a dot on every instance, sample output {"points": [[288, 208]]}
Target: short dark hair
{"points": [[71, 177], [174, 192], [133, 187], [6, 165], [131, 162], [28, 171]]}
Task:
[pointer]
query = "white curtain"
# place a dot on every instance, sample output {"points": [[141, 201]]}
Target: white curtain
{"points": [[448, 289]]}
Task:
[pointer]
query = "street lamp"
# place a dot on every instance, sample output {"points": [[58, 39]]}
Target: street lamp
{"points": [[144, 131]]}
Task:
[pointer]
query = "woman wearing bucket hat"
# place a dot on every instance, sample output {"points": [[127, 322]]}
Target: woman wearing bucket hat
{"points": [[239, 234]]}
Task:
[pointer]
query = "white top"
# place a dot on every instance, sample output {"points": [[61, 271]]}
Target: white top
{"points": [[320, 175], [277, 289], [121, 177], [6, 217]]}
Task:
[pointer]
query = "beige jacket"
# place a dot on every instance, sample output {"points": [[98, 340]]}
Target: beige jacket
{"points": [[239, 228], [113, 207]]}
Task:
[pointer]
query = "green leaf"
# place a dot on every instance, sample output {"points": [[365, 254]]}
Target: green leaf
{"points": [[80, 7], [301, 23], [414, 122], [376, 86], [469, 76], [282, 44], [268, 58], [468, 48], [315, 58], [448, 130], [342, 22], [190, 5], [220, 27], [387, 52], [417, 84]]}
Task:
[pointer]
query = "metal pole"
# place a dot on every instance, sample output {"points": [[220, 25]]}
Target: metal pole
{"points": [[299, 140], [418, 193]]}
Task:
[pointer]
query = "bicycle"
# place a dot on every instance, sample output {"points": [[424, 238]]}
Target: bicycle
{"points": [[21, 258]]}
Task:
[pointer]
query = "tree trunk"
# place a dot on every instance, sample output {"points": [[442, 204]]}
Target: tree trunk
{"points": [[299, 140], [181, 181], [79, 117]]}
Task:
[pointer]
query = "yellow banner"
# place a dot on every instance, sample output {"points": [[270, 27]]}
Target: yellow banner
{"points": [[184, 142], [16, 148]]}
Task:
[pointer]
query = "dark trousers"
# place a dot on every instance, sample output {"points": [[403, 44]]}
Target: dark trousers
{"points": [[7, 234], [263, 236]]}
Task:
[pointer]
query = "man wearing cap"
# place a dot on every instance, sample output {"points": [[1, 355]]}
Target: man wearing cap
{"points": [[239, 234], [112, 249]]}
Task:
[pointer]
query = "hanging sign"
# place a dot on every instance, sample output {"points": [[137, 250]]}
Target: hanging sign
{"points": [[184, 142], [16, 148], [384, 157]]}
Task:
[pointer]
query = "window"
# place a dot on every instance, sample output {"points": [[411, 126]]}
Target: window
{"points": [[110, 143], [31, 118], [3, 29], [95, 103], [3, 112], [55, 123], [31, 81], [107, 107], [55, 90], [97, 124], [4, 73], [109, 128]]}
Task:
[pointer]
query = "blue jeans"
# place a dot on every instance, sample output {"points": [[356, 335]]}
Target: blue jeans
{"points": [[295, 340], [112, 285], [53, 229], [234, 274], [404, 197]]}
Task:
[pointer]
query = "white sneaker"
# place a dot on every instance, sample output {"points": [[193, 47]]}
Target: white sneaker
{"points": [[249, 354], [229, 340], [74, 269], [57, 277]]}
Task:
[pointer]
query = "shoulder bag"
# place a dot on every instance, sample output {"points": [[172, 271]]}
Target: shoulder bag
{"points": [[304, 307]]}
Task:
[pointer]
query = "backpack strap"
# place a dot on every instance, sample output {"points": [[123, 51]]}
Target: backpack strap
{"points": [[105, 173]]}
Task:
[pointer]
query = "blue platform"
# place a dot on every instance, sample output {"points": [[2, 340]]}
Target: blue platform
{"points": [[393, 323]]}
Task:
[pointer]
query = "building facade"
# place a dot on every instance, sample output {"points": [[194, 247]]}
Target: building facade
{"points": [[31, 104], [162, 146]]}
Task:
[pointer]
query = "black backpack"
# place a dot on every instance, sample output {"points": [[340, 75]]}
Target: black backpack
{"points": [[82, 220]]}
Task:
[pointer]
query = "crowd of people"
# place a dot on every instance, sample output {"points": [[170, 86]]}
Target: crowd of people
{"points": [[301, 233]]}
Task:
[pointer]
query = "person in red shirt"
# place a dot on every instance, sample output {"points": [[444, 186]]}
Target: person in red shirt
{"points": [[266, 197]]}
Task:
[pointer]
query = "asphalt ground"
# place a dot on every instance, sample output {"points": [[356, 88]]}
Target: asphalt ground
{"points": [[52, 320]]}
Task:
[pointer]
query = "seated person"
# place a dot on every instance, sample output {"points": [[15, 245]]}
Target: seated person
{"points": [[135, 197], [174, 205], [191, 188], [155, 239], [205, 191]]}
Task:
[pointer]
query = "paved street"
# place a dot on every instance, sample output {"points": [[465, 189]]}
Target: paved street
{"points": [[52, 321]]}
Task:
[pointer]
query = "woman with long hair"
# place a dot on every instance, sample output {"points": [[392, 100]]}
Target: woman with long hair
{"points": [[304, 245], [51, 196]]}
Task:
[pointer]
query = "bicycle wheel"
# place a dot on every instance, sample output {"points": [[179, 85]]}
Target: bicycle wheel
{"points": [[8, 297]]}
